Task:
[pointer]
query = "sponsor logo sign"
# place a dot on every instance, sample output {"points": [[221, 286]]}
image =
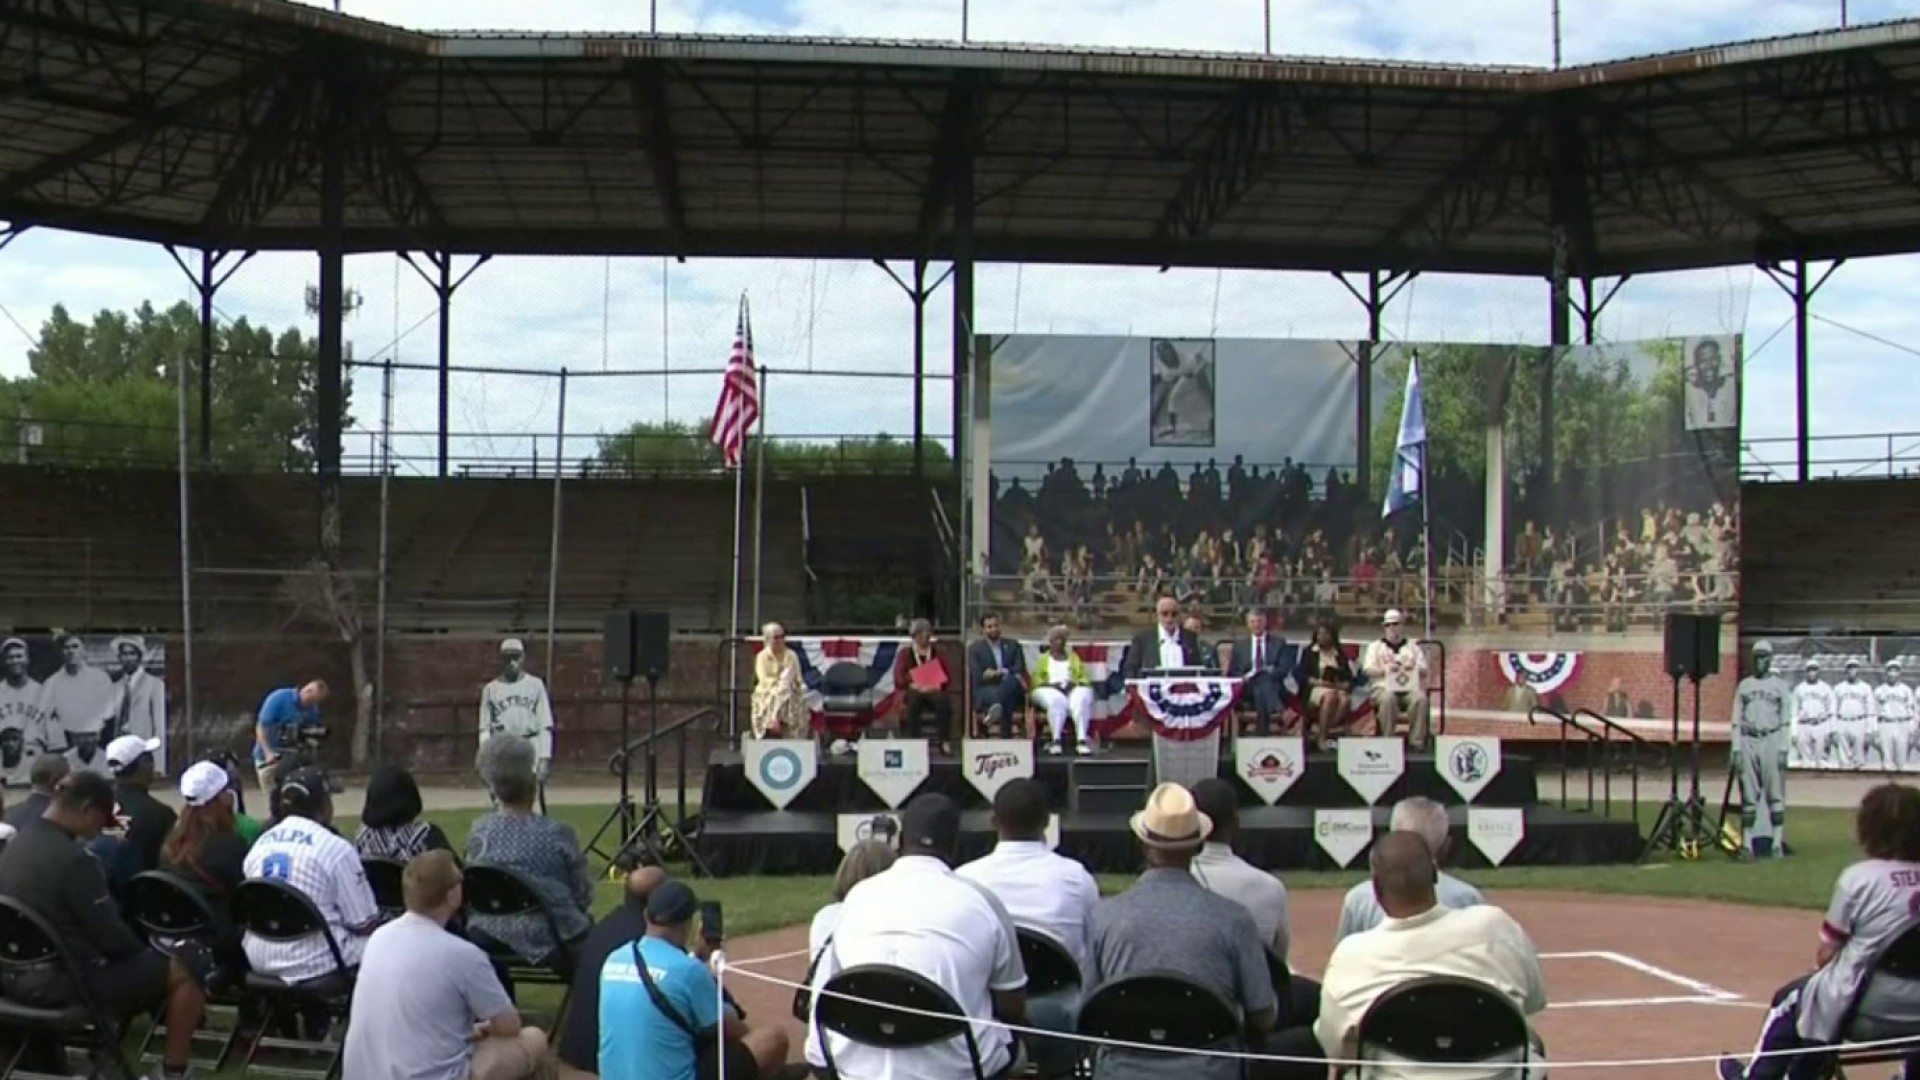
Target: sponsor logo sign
{"points": [[1343, 833], [989, 763], [893, 768], [1270, 766], [1467, 762], [1371, 766], [780, 768], [1496, 830]]}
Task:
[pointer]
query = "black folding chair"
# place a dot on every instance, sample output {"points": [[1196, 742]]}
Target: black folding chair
{"points": [[1051, 969], [855, 1006], [29, 945], [1901, 960], [1160, 1008], [498, 892], [383, 877], [181, 922], [276, 911], [1440, 1019]]}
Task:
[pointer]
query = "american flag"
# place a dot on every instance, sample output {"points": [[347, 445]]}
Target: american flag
{"points": [[739, 407]]}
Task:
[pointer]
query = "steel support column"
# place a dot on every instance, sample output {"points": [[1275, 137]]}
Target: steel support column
{"points": [[1382, 287], [207, 279], [1589, 308], [444, 284], [918, 293], [1559, 336], [963, 335], [329, 389], [1792, 279]]}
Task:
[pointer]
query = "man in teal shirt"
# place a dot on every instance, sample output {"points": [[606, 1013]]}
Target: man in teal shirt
{"points": [[650, 1033]]}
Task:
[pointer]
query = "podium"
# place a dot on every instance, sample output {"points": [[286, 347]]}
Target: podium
{"points": [[1185, 708]]}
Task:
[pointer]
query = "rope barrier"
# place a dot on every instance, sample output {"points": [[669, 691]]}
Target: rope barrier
{"points": [[739, 967]]}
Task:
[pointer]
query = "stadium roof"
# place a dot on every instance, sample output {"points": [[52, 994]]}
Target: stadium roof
{"points": [[207, 122]]}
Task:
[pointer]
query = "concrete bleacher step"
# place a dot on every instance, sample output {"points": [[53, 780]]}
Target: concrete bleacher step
{"points": [[1108, 785]]}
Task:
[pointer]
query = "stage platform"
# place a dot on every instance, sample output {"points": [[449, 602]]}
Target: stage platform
{"points": [[838, 789], [1272, 837]]}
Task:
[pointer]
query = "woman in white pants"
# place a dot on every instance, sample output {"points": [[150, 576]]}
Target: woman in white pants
{"points": [[1061, 686]]}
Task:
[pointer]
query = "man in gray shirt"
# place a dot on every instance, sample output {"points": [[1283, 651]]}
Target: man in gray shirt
{"points": [[427, 1005], [1361, 911], [1167, 922]]}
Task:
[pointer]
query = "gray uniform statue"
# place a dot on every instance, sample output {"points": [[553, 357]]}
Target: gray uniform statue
{"points": [[1762, 725]]}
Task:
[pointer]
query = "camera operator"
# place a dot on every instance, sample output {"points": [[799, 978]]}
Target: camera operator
{"points": [[289, 717]]}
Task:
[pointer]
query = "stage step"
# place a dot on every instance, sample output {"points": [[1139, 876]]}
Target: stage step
{"points": [[1108, 785]]}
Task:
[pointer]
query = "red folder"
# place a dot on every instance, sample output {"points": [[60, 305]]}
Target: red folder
{"points": [[928, 677]]}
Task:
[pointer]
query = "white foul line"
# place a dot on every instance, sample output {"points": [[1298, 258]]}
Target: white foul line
{"points": [[1708, 994]]}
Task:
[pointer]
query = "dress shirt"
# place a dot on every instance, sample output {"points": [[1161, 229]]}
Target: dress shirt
{"points": [[1226, 874], [1171, 654], [1040, 890]]}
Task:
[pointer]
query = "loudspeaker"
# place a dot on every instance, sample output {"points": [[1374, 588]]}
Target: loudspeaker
{"points": [[653, 644], [1693, 645], [617, 640]]}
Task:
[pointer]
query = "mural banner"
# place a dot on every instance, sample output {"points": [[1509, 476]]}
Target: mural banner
{"points": [[73, 694]]}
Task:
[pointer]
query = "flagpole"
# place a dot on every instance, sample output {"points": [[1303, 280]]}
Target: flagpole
{"points": [[733, 612], [759, 492], [1426, 539]]}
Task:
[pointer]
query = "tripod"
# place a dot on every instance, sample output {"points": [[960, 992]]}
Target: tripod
{"points": [[1681, 826], [646, 838]]}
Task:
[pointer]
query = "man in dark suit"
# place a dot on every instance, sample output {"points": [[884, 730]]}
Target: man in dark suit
{"points": [[1264, 660], [997, 669], [1166, 645]]}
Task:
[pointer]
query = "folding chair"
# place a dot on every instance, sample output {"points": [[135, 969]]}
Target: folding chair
{"points": [[276, 911], [1901, 960], [1160, 1008], [181, 923], [854, 1005], [1444, 1020], [498, 892], [383, 877], [28, 942], [1051, 969]]}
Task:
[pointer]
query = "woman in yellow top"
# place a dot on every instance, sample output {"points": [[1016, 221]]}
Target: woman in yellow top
{"points": [[1061, 686], [779, 693]]}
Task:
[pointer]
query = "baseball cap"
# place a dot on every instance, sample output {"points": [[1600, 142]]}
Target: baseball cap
{"points": [[930, 822], [127, 750], [1763, 647], [1392, 617], [672, 904], [202, 783], [513, 645], [305, 786]]}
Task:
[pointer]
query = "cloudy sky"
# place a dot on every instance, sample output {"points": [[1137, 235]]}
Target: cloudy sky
{"points": [[636, 315]]}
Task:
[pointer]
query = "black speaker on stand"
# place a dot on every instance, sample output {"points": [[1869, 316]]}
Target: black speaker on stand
{"points": [[1692, 655]]}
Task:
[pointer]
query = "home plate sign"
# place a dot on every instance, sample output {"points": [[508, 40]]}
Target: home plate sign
{"points": [[1270, 766], [780, 768], [1371, 766], [989, 764]]}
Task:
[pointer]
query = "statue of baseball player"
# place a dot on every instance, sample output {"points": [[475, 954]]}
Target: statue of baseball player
{"points": [[1813, 712], [1762, 726], [517, 702], [1853, 702], [1894, 705]]}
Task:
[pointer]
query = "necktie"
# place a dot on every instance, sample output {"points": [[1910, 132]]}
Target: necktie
{"points": [[1259, 652]]}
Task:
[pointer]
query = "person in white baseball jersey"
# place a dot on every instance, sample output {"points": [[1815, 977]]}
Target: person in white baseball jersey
{"points": [[1853, 701], [1397, 674], [1762, 724], [23, 731], [77, 698], [1893, 706], [303, 850], [517, 702], [1813, 711], [1874, 904]]}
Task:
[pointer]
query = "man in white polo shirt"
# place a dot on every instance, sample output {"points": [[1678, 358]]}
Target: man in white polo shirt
{"points": [[1420, 815], [305, 852], [921, 916]]}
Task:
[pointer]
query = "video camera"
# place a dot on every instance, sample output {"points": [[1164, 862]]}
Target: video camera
{"points": [[310, 734]]}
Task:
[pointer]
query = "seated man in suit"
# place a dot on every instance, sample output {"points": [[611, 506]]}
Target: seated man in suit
{"points": [[1167, 645], [997, 669], [1264, 660]]}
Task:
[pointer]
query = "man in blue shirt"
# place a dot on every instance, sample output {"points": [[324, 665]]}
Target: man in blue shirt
{"points": [[660, 1006], [277, 730]]}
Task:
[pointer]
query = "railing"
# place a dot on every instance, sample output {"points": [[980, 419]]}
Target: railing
{"points": [[1892, 455], [1597, 735], [620, 762]]}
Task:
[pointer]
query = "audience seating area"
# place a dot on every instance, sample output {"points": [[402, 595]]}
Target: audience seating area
{"points": [[1829, 554]]}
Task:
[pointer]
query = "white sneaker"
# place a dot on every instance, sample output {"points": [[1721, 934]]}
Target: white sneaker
{"points": [[1083, 749], [1053, 748]]}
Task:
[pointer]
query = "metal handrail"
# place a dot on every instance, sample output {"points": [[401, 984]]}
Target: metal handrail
{"points": [[1593, 738]]}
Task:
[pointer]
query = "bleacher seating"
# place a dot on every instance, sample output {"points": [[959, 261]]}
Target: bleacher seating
{"points": [[1830, 554]]}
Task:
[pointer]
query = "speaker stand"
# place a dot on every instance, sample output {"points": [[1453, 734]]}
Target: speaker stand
{"points": [[1681, 827], [650, 841], [621, 819]]}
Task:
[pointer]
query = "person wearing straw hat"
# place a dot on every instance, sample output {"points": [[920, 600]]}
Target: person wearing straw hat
{"points": [[1397, 670], [1168, 922]]}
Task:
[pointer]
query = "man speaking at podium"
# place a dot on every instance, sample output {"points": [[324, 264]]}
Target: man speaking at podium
{"points": [[1167, 645]]}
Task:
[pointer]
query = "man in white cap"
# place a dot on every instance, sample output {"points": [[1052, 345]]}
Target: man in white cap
{"points": [[130, 759], [1397, 672], [516, 703], [1894, 702], [1812, 716], [1762, 721], [1853, 704]]}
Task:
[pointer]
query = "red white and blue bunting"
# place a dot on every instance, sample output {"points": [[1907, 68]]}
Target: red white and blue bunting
{"points": [[1184, 707], [1545, 672]]}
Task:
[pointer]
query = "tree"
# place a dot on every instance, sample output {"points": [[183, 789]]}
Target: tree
{"points": [[672, 447], [321, 594], [105, 391]]}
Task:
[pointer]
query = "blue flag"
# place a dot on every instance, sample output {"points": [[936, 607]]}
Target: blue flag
{"points": [[1408, 480]]}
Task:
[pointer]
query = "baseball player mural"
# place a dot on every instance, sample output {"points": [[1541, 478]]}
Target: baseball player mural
{"points": [[1762, 727], [517, 702], [1813, 712], [1894, 706], [23, 729], [1853, 704]]}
